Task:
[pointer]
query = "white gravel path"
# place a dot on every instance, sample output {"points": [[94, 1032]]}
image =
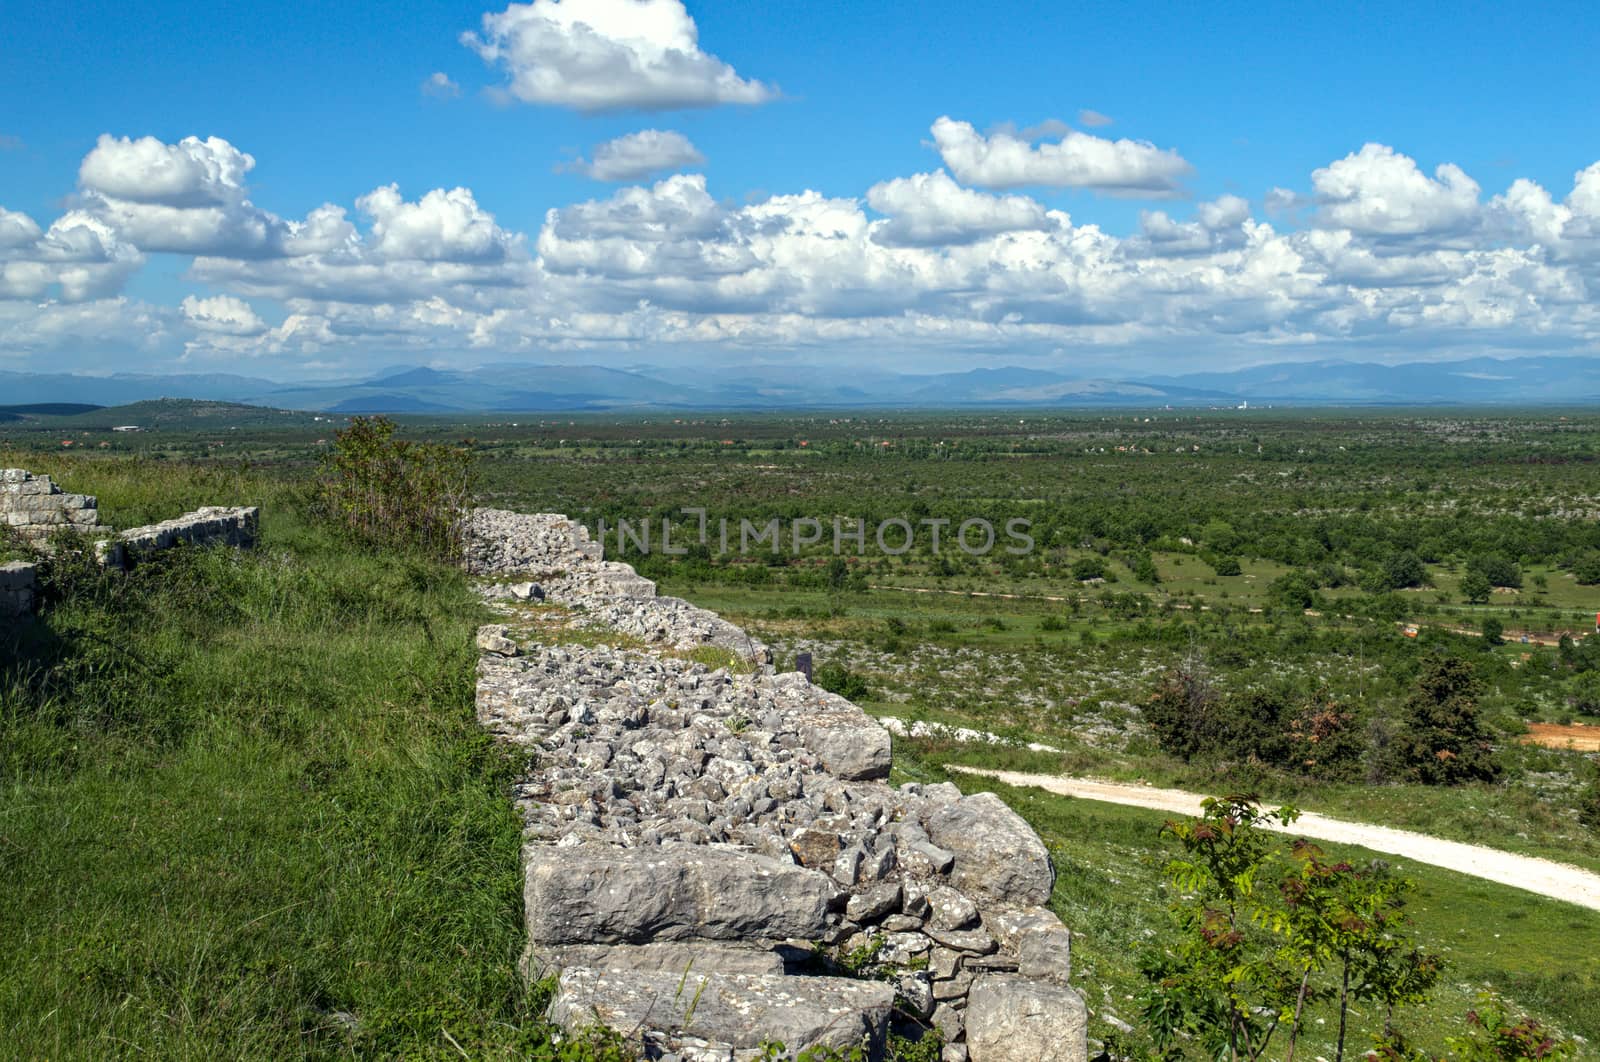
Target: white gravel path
{"points": [[1545, 877]]}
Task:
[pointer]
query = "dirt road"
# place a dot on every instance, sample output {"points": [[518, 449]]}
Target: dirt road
{"points": [[1543, 876]]}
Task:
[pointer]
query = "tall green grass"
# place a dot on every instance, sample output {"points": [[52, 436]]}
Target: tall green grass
{"points": [[245, 809]]}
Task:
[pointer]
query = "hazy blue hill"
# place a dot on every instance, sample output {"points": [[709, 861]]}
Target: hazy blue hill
{"points": [[389, 403], [34, 388], [419, 377], [1472, 380], [591, 381], [171, 413], [521, 387]]}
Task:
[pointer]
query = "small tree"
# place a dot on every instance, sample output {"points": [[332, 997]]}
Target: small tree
{"points": [[1443, 742], [838, 574], [1183, 710], [1144, 569], [1498, 568], [1293, 590], [1258, 942], [395, 494], [1589, 803], [1476, 588], [1401, 570], [1226, 983], [1086, 568], [1493, 632]]}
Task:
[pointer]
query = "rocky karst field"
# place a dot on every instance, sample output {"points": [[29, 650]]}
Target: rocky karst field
{"points": [[269, 768]]}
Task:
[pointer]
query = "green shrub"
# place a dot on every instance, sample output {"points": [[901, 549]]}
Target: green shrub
{"points": [[1293, 591], [1494, 1035], [390, 493], [1144, 569], [1226, 566], [1589, 804], [837, 678], [1085, 568]]}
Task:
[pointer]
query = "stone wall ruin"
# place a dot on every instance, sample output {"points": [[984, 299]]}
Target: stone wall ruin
{"points": [[207, 526], [35, 508], [695, 833]]}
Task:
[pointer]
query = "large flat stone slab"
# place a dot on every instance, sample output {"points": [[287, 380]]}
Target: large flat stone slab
{"points": [[597, 894], [739, 1010], [672, 956]]}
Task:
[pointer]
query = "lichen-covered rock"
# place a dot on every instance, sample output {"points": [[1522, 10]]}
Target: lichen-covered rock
{"points": [[1042, 944], [737, 1010], [856, 752], [999, 860], [598, 894], [675, 956], [1009, 1019]]}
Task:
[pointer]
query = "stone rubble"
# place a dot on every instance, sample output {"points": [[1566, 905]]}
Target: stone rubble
{"points": [[568, 568], [706, 849]]}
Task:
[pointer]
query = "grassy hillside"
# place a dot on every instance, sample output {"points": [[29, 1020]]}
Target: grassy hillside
{"points": [[245, 810]]}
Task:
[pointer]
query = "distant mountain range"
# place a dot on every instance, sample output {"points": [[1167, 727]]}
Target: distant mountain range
{"points": [[573, 388]]}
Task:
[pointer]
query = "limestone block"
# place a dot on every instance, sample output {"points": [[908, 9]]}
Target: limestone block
{"points": [[1043, 945], [676, 957], [736, 1010], [999, 860], [599, 894], [1013, 1020]]}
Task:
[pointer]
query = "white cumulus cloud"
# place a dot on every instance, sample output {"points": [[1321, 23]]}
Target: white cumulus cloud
{"points": [[222, 314], [78, 259], [1217, 224], [1076, 160], [603, 55], [17, 229], [442, 226], [190, 173], [189, 197], [1381, 192], [929, 209], [635, 156], [1372, 256]]}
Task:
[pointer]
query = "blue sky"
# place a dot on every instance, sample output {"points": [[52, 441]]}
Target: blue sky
{"points": [[1071, 256]]}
